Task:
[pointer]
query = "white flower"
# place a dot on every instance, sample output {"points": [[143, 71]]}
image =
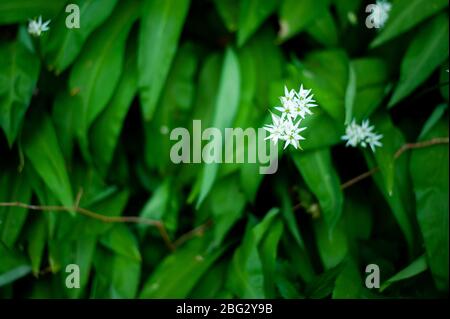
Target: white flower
{"points": [[276, 129], [288, 103], [383, 8], [293, 104], [35, 28], [292, 133], [362, 135], [304, 102]]}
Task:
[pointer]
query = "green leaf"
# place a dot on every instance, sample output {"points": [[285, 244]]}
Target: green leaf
{"points": [[326, 73], [19, 71], [225, 110], [394, 180], [317, 169], [41, 148], [333, 248], [164, 205], [429, 171], [14, 11], [229, 12], [13, 188], [171, 281], [416, 267], [296, 15], [97, 71], [323, 285], [105, 131], [407, 14], [225, 212], [116, 277], [246, 272], [371, 81], [37, 238], [161, 26], [252, 15], [426, 52], [268, 251], [13, 266], [122, 241], [62, 45], [350, 94], [324, 30]]}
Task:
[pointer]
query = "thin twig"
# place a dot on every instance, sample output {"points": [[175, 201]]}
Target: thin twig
{"points": [[400, 151], [106, 219], [196, 232]]}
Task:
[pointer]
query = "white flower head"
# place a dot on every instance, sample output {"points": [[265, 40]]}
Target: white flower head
{"points": [[276, 129], [362, 135], [292, 134], [36, 27], [286, 127], [383, 8]]}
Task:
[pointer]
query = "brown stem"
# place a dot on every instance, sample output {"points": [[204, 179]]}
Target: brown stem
{"points": [[400, 151]]}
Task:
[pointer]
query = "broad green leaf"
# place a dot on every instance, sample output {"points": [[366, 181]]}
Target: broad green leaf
{"points": [[416, 267], [37, 238], [252, 15], [177, 98], [429, 171], [225, 212], [97, 71], [326, 73], [13, 188], [160, 30], [212, 282], [317, 169], [296, 15], [246, 272], [111, 205], [444, 80], [13, 266], [347, 11], [116, 277], [164, 205], [229, 12], [393, 179], [323, 285], [371, 81], [268, 251], [350, 94], [426, 52], [65, 116], [62, 45], [42, 151], [122, 241], [333, 248], [19, 71], [324, 30], [171, 281], [14, 11], [405, 15], [106, 129], [227, 102]]}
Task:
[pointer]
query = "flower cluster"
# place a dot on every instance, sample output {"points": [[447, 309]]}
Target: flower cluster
{"points": [[36, 27], [383, 8], [286, 127], [362, 135]]}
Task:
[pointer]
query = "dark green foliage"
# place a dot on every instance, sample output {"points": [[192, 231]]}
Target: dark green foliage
{"points": [[85, 122]]}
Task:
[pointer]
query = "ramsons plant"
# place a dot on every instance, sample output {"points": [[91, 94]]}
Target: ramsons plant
{"points": [[97, 200]]}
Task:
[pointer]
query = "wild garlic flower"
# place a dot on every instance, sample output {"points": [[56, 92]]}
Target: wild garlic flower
{"points": [[383, 8], [362, 135], [285, 127], [36, 27]]}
